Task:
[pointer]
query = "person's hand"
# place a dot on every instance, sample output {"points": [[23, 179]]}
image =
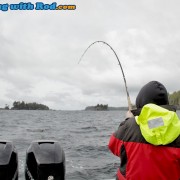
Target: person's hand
{"points": [[129, 114]]}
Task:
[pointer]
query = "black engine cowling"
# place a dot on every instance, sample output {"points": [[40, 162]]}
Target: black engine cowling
{"points": [[8, 161], [45, 160]]}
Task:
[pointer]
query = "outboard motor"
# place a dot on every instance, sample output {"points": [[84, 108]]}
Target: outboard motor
{"points": [[8, 161], [45, 160]]}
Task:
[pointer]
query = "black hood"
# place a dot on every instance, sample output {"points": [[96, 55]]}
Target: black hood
{"points": [[152, 92]]}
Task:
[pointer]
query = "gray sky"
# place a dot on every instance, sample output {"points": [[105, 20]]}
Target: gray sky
{"points": [[40, 50]]}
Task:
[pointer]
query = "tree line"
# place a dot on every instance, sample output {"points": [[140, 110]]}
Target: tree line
{"points": [[101, 107], [17, 105], [174, 98]]}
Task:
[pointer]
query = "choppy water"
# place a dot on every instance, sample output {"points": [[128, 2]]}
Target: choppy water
{"points": [[84, 136]]}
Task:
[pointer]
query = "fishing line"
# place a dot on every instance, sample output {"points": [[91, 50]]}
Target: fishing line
{"points": [[126, 88]]}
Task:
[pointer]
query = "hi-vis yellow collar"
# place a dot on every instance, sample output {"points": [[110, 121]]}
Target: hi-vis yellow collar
{"points": [[158, 125]]}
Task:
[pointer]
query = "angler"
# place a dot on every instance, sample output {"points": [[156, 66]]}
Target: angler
{"points": [[149, 143]]}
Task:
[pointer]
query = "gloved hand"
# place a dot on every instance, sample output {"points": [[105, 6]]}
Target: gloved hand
{"points": [[129, 114]]}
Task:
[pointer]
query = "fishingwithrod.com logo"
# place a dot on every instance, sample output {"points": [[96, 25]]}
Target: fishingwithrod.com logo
{"points": [[35, 6]]}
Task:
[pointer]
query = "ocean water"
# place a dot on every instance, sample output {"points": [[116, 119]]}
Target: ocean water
{"points": [[84, 136]]}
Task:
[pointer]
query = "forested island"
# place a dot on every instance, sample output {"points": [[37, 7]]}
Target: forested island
{"points": [[101, 107], [98, 107], [174, 99], [17, 105]]}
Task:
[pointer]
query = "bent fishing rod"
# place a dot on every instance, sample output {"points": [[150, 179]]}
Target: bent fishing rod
{"points": [[125, 83]]}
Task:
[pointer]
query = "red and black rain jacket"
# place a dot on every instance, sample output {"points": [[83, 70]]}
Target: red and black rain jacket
{"points": [[140, 160]]}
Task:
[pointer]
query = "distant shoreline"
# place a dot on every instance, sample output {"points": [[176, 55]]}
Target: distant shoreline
{"points": [[94, 108], [88, 108]]}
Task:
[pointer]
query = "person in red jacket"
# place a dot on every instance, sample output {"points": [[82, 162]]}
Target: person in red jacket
{"points": [[148, 141]]}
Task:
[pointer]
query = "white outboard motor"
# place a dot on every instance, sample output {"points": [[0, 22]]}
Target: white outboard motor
{"points": [[8, 161], [45, 160]]}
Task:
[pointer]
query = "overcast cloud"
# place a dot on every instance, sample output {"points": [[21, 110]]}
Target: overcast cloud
{"points": [[40, 50]]}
